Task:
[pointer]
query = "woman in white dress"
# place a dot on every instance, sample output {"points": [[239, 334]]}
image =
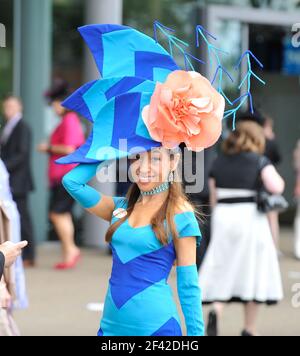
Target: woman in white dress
{"points": [[17, 278], [241, 263]]}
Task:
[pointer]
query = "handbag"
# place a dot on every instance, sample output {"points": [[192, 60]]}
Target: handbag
{"points": [[267, 202]]}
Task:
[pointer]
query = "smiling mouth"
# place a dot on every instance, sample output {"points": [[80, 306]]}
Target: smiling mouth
{"points": [[145, 179]]}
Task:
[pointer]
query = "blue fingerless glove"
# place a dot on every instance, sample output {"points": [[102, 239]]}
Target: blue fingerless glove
{"points": [[75, 182], [189, 293]]}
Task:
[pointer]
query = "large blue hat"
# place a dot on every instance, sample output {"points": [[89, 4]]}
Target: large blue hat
{"points": [[132, 65]]}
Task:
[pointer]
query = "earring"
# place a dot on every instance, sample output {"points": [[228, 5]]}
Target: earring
{"points": [[171, 177]]}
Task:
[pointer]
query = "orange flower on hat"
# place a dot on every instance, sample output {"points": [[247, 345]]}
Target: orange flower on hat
{"points": [[186, 108]]}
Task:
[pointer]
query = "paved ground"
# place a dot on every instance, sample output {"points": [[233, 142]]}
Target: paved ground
{"points": [[59, 300]]}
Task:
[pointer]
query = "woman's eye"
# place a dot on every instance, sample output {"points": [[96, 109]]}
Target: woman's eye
{"points": [[156, 159], [134, 158]]}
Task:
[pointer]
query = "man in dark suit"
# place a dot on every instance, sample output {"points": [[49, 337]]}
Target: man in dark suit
{"points": [[9, 252], [15, 151]]}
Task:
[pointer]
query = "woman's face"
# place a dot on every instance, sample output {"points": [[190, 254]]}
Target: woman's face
{"points": [[150, 169], [59, 110]]}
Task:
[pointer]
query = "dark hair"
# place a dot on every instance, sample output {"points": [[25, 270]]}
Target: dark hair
{"points": [[256, 117], [59, 90]]}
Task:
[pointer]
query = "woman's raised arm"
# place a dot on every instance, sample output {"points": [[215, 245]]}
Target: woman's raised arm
{"points": [[75, 182]]}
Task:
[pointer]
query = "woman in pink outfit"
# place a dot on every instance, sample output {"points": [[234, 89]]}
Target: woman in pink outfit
{"points": [[65, 139]]}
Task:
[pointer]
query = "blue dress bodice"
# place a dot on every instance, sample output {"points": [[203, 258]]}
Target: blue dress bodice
{"points": [[139, 300]]}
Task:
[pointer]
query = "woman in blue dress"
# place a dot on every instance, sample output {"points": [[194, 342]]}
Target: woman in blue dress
{"points": [[143, 108], [139, 300]]}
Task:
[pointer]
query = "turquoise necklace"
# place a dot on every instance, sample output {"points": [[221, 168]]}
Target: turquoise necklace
{"points": [[161, 188]]}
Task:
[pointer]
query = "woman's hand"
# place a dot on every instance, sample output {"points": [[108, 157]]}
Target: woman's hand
{"points": [[43, 147], [12, 251], [5, 297]]}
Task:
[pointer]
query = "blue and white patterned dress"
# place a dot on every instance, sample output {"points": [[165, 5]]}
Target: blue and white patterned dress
{"points": [[139, 301]]}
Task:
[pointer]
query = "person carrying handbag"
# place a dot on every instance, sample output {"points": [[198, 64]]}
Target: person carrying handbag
{"points": [[241, 263]]}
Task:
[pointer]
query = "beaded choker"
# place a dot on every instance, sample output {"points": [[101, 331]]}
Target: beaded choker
{"points": [[161, 188]]}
